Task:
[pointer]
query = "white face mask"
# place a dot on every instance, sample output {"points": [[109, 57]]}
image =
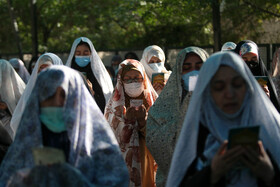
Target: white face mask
{"points": [[157, 67], [134, 89]]}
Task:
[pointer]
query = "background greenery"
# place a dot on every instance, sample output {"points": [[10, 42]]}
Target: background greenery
{"points": [[133, 24]]}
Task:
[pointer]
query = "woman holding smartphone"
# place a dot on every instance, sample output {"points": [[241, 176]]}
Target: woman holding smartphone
{"points": [[127, 113], [226, 96]]}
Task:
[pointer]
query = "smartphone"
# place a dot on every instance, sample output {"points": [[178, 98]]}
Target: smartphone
{"points": [[244, 136], [136, 103]]}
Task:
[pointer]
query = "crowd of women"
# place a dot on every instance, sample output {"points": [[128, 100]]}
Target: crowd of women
{"points": [[80, 124]]}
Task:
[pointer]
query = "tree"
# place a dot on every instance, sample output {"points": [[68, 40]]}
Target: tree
{"points": [[135, 24]]}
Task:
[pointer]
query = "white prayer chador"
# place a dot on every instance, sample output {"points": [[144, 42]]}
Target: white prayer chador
{"points": [[257, 109], [148, 53], [11, 87], [22, 71], [97, 67], [47, 58]]}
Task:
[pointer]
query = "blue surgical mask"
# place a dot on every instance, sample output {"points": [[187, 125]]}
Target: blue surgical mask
{"points": [[186, 78], [52, 118], [82, 61], [157, 67]]}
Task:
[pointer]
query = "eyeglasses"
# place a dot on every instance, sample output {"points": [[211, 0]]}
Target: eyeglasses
{"points": [[127, 81]]}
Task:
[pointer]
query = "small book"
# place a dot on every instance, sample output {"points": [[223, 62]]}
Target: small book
{"points": [[244, 136], [158, 77], [262, 80], [48, 156]]}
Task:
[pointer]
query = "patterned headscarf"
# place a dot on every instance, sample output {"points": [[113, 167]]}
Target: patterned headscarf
{"points": [[93, 147], [127, 132], [228, 46], [166, 116], [249, 48]]}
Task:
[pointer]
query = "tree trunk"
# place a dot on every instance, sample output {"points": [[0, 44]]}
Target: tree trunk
{"points": [[34, 32], [15, 26], [216, 25]]}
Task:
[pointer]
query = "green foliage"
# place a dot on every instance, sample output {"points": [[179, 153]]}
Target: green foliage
{"points": [[6, 44], [134, 24], [243, 19]]}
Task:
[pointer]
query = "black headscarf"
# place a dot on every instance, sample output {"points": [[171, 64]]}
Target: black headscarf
{"points": [[260, 70], [98, 93]]}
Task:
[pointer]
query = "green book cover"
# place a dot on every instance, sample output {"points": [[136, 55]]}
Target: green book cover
{"points": [[48, 156]]}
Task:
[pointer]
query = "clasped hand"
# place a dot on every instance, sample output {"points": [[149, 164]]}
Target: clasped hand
{"points": [[133, 113]]}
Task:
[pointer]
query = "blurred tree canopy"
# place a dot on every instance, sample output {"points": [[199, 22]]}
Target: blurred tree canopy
{"points": [[131, 24]]}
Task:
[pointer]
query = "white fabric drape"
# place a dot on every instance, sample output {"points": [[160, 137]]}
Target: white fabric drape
{"points": [[97, 67], [148, 53], [11, 88], [44, 59], [22, 71]]}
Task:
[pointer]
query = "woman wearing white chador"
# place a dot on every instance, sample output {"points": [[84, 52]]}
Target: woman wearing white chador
{"points": [[18, 65], [11, 89], [92, 67], [45, 60]]}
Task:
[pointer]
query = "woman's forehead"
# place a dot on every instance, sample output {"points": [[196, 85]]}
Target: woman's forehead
{"points": [[82, 47], [132, 73], [191, 58], [225, 72]]}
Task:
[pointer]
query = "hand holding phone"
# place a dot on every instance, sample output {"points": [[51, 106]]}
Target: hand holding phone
{"points": [[136, 103], [244, 136]]}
